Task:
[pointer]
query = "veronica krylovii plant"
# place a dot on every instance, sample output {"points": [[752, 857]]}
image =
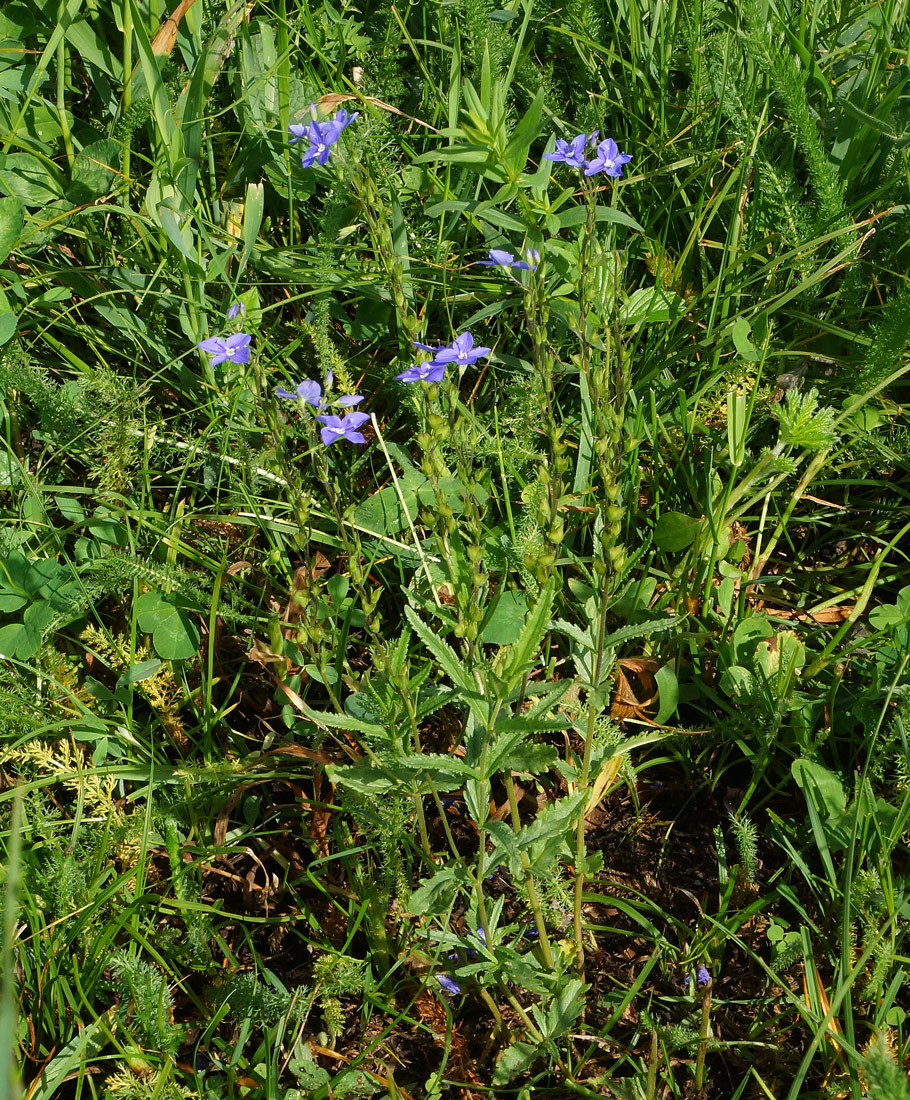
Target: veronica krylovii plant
{"points": [[604, 379], [361, 177]]}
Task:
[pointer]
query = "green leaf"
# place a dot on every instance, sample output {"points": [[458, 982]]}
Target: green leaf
{"points": [[675, 531], [69, 507], [507, 617], [668, 687], [94, 171], [505, 845], [509, 754], [650, 305], [362, 705], [577, 215], [742, 341], [30, 180], [12, 219], [363, 778], [435, 895], [563, 1010], [884, 616], [18, 640], [174, 634], [8, 323], [821, 786], [516, 152], [738, 683], [480, 208], [803, 423], [747, 635], [80, 1051], [522, 654], [448, 661], [515, 1059], [145, 670], [346, 722]]}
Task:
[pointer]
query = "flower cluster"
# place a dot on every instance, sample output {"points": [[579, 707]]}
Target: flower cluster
{"points": [[460, 351], [321, 136], [608, 159], [334, 427]]}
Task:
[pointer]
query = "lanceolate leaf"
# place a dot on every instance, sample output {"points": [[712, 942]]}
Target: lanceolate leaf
{"points": [[448, 661], [522, 653]]}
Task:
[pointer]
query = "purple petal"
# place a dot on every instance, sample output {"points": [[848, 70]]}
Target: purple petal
{"points": [[499, 258], [429, 371], [346, 402], [448, 983], [310, 392]]}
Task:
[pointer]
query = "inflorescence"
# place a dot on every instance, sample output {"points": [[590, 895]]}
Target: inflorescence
{"points": [[321, 136]]}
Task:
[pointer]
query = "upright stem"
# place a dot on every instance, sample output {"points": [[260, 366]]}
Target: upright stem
{"points": [[607, 383], [594, 707], [704, 1033], [127, 20], [530, 884], [62, 59]]}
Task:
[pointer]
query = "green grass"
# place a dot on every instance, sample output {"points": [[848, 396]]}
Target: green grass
{"points": [[588, 669]]}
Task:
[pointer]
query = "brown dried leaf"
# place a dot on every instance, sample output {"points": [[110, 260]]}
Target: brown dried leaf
{"points": [[165, 39]]}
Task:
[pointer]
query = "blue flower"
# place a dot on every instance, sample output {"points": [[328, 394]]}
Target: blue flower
{"points": [[321, 136], [461, 351], [448, 983], [238, 309], [309, 392], [609, 160], [340, 121], [230, 349], [338, 427], [423, 372], [299, 130], [499, 258], [571, 152], [702, 976]]}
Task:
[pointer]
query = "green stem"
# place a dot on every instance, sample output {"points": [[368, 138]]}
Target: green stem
{"points": [[531, 886], [62, 60], [126, 99], [704, 1033], [594, 707]]}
